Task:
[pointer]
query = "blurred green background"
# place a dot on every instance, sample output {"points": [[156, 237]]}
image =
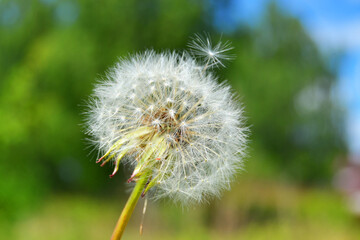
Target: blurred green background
{"points": [[53, 52]]}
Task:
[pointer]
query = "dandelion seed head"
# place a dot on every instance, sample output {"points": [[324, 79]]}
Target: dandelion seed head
{"points": [[185, 131]]}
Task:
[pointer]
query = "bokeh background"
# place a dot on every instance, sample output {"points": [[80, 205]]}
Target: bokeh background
{"points": [[296, 71]]}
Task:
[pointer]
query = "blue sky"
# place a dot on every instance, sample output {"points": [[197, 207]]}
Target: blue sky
{"points": [[334, 25]]}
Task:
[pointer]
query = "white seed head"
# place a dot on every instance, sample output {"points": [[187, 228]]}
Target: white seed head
{"points": [[184, 129]]}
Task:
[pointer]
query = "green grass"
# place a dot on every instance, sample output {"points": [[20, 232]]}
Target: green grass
{"points": [[251, 210]]}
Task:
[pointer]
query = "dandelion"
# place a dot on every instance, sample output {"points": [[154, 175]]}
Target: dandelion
{"points": [[167, 118]]}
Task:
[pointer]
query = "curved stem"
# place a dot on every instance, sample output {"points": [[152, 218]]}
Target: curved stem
{"points": [[129, 208]]}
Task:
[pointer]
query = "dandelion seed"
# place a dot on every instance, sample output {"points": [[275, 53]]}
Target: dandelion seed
{"points": [[151, 107], [172, 113], [156, 122], [213, 55]]}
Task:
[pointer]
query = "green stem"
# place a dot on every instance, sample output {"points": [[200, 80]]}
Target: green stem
{"points": [[129, 208]]}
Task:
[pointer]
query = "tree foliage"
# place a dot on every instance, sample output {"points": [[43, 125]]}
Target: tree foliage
{"points": [[52, 52]]}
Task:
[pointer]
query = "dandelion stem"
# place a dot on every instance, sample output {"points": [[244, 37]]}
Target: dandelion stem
{"points": [[129, 208]]}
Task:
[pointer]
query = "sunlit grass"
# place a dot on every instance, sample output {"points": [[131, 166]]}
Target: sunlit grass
{"points": [[252, 210]]}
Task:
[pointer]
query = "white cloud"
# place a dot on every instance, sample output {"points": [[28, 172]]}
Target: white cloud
{"points": [[338, 35], [345, 36], [353, 128]]}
